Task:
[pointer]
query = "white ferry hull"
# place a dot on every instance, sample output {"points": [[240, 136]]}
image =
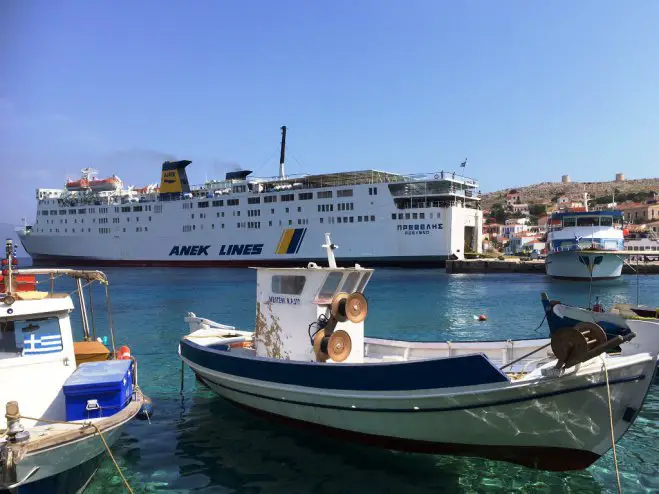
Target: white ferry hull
{"points": [[567, 265], [384, 241]]}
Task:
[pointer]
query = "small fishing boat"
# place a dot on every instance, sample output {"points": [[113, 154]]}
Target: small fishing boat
{"points": [[620, 319], [64, 403], [308, 364]]}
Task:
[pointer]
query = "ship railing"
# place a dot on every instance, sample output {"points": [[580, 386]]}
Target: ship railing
{"points": [[290, 182]]}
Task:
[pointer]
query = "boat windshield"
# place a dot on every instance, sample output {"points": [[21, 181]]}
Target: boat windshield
{"points": [[587, 221], [569, 221], [606, 221], [26, 337]]}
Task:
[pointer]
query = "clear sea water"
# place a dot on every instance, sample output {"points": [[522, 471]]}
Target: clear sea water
{"points": [[197, 442]]}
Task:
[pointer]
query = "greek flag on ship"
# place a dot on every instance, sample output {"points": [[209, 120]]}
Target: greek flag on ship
{"points": [[40, 344]]}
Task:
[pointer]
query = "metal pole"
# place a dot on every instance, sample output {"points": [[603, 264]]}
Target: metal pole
{"points": [[110, 322], [91, 309], [637, 281], [52, 283], [83, 309]]}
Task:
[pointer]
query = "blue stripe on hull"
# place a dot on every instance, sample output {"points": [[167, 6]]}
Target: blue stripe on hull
{"points": [[67, 482], [469, 370]]}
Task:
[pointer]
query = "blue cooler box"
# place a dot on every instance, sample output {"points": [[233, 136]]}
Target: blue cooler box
{"points": [[98, 389]]}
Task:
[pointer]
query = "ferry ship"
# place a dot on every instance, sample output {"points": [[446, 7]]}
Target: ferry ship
{"points": [[585, 245], [377, 218]]}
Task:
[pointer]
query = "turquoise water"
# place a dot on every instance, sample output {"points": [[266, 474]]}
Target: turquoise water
{"points": [[196, 442]]}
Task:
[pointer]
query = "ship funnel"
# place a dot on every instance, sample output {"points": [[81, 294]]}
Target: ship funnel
{"points": [[282, 154], [174, 180]]}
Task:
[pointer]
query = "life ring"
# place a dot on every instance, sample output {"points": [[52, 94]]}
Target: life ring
{"points": [[436, 176]]}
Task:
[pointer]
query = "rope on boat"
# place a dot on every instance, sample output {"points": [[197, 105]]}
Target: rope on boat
{"points": [[613, 439], [524, 356], [87, 424]]}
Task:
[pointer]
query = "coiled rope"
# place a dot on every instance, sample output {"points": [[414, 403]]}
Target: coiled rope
{"points": [[613, 439]]}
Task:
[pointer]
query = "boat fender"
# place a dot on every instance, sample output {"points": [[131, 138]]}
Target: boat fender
{"points": [[146, 410], [482, 317], [124, 353]]}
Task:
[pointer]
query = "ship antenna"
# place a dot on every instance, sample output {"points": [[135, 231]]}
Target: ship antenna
{"points": [[282, 154], [329, 247]]}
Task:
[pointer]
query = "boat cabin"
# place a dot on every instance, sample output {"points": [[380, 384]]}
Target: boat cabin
{"points": [[293, 305], [38, 354]]}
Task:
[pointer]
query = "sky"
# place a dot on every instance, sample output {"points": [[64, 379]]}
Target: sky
{"points": [[526, 90]]}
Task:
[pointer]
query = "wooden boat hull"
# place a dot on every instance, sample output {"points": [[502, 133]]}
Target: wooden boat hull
{"points": [[455, 406]]}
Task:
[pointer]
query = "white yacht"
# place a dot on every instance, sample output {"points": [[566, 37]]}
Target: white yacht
{"points": [[585, 245]]}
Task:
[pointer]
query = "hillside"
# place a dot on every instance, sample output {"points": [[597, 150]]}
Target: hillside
{"points": [[548, 191]]}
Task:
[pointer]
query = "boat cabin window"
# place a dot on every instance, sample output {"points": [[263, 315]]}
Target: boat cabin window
{"points": [[606, 221], [362, 282], [587, 221], [288, 285], [331, 284], [30, 337], [350, 283], [569, 221]]}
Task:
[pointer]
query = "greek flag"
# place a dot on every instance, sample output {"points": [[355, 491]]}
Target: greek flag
{"points": [[40, 344]]}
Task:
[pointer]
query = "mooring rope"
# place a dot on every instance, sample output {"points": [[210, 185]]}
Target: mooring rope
{"points": [[613, 438], [87, 424]]}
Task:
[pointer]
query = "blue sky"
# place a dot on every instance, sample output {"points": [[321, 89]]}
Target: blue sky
{"points": [[526, 90]]}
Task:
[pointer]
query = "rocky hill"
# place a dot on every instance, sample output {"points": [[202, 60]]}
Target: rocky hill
{"points": [[547, 192]]}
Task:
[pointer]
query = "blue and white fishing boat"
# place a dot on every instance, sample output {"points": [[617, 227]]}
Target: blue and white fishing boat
{"points": [[620, 319], [582, 245], [64, 403], [308, 364]]}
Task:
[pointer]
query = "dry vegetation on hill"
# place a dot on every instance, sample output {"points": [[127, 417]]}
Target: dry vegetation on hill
{"points": [[547, 192]]}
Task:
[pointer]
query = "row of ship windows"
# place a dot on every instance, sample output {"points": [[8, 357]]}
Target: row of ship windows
{"points": [[102, 230], [300, 221], [123, 209], [302, 196], [101, 221], [257, 212], [412, 216], [344, 206]]}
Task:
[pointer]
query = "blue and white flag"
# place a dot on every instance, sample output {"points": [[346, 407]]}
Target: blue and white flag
{"points": [[44, 343]]}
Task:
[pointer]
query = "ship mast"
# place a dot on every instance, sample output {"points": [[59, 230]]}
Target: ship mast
{"points": [[282, 154]]}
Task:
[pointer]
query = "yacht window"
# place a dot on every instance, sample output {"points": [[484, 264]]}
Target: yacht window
{"points": [[288, 285], [606, 221], [362, 282], [569, 221], [330, 285], [587, 221], [350, 283], [30, 337]]}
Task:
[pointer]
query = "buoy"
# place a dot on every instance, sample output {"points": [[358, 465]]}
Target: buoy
{"points": [[124, 353], [482, 317]]}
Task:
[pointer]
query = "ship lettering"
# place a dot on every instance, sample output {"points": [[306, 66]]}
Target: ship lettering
{"points": [[241, 250], [420, 229], [189, 250]]}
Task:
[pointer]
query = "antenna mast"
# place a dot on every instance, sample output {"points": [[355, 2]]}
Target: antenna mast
{"points": [[282, 155]]}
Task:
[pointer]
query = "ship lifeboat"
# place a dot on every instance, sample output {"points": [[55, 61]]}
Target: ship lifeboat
{"points": [[81, 184], [105, 184]]}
